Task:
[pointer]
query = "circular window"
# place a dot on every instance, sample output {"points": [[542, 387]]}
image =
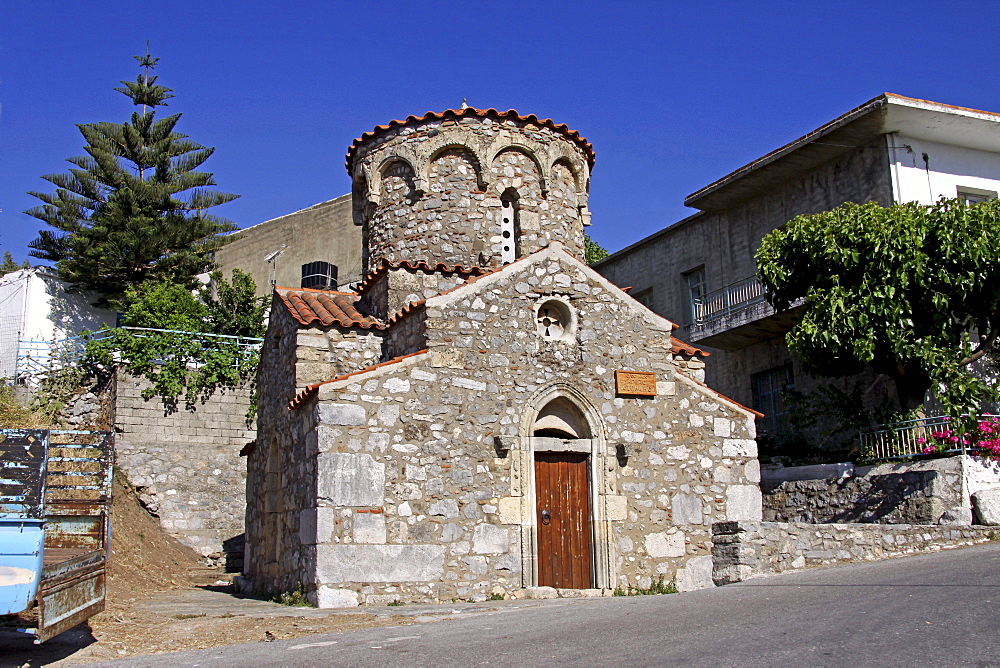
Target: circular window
{"points": [[554, 320]]}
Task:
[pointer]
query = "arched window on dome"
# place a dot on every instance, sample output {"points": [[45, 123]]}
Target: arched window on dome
{"points": [[510, 226]]}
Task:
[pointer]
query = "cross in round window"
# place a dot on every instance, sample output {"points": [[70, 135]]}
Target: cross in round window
{"points": [[554, 320]]}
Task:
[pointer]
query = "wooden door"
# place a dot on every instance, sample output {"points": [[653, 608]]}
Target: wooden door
{"points": [[562, 512]]}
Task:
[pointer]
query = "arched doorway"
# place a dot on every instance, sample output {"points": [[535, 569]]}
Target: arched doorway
{"points": [[561, 440]]}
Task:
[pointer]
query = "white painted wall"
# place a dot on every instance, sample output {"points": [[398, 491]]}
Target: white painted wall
{"points": [[949, 167], [34, 306]]}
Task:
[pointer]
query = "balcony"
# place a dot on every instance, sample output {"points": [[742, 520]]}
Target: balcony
{"points": [[737, 316]]}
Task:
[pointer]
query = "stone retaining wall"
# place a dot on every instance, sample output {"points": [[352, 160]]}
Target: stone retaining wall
{"points": [[186, 465], [928, 492], [742, 550]]}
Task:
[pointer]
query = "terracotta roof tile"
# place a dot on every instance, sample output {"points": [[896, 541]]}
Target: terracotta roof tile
{"points": [[311, 390], [681, 348], [420, 265], [325, 307], [562, 129], [405, 311]]}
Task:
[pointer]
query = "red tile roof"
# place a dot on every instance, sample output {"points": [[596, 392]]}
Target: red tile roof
{"points": [[311, 390], [681, 348], [325, 307], [420, 265], [562, 129]]}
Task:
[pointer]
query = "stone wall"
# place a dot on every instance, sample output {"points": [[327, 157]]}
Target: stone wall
{"points": [[742, 550], [186, 465], [412, 480], [433, 188], [929, 492], [388, 292]]}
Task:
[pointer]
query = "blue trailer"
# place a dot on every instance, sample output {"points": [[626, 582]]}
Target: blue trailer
{"points": [[55, 531]]}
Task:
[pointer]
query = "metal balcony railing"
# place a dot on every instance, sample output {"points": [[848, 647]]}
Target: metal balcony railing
{"points": [[914, 437], [36, 359], [726, 301]]}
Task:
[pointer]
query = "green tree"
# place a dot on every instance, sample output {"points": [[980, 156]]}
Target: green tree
{"points": [[134, 208], [593, 251], [911, 290], [185, 361], [233, 307], [164, 305], [8, 265]]}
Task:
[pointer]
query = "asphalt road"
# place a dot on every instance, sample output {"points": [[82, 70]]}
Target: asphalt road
{"points": [[939, 609]]}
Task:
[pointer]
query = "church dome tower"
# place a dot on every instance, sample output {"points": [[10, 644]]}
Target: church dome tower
{"points": [[469, 187]]}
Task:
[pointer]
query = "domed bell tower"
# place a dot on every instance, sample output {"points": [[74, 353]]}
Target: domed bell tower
{"points": [[469, 187]]}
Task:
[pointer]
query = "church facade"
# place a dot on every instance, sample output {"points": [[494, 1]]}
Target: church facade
{"points": [[484, 415]]}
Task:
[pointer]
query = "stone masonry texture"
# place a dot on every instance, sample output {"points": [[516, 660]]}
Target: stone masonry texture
{"points": [[397, 462], [747, 549], [186, 465], [433, 190], [390, 484], [906, 493]]}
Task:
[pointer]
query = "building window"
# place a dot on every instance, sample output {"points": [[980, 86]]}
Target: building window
{"points": [[970, 196], [645, 297], [319, 276], [509, 226], [767, 389], [695, 282], [555, 320]]}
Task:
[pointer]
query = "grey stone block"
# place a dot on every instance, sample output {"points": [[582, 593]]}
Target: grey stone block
{"points": [[489, 539], [347, 479], [341, 414], [379, 563], [688, 509], [987, 505]]}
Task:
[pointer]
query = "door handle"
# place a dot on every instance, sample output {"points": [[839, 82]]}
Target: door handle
{"points": [[546, 516]]}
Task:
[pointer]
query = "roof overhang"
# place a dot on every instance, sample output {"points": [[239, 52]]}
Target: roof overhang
{"points": [[862, 126]]}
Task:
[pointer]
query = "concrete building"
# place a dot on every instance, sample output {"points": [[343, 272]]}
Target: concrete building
{"points": [[485, 415], [37, 311], [701, 269], [316, 247]]}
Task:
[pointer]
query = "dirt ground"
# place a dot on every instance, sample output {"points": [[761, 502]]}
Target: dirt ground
{"points": [[161, 598]]}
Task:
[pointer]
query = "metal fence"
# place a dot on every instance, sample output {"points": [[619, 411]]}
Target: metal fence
{"points": [[908, 438], [37, 359], [732, 298]]}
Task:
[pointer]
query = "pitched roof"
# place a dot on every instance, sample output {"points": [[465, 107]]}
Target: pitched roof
{"points": [[325, 307], [419, 265], [562, 129]]}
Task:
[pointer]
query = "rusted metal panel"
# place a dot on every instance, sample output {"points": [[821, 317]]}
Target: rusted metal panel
{"points": [[71, 600], [61, 478], [563, 516], [22, 473], [22, 512]]}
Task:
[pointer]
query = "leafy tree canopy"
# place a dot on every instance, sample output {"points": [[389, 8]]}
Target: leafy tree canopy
{"points": [[912, 290], [134, 208], [186, 362], [593, 251]]}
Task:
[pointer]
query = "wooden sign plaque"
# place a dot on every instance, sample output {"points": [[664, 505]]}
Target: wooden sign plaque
{"points": [[641, 383]]}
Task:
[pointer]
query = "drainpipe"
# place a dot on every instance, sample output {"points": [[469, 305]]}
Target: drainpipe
{"points": [[890, 140]]}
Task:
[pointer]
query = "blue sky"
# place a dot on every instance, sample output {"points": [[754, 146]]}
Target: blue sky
{"points": [[672, 95]]}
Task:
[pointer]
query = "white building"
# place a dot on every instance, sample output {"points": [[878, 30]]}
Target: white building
{"points": [[37, 311]]}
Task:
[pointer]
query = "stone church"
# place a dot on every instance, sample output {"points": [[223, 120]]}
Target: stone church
{"points": [[484, 415]]}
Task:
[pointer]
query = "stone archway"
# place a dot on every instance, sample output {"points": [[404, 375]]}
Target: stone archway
{"points": [[563, 444]]}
